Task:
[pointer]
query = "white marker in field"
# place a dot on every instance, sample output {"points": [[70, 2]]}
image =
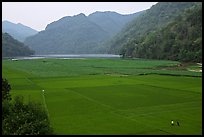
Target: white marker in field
{"points": [[43, 90]]}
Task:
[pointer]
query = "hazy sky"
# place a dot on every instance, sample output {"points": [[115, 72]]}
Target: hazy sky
{"points": [[38, 14]]}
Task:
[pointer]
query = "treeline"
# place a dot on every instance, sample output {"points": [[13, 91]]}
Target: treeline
{"points": [[20, 118], [180, 40], [12, 47]]}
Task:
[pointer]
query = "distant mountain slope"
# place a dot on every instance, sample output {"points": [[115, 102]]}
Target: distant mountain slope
{"points": [[12, 47], [18, 31], [70, 35], [158, 16], [78, 34], [111, 22]]}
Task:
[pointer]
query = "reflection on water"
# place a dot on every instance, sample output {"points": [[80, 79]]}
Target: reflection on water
{"points": [[21, 58], [68, 56], [79, 56]]}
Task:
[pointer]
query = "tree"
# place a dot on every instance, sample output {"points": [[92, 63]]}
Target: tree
{"points": [[5, 89], [20, 118]]}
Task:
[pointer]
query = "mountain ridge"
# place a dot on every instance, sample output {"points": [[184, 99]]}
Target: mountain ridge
{"points": [[18, 30], [75, 34]]}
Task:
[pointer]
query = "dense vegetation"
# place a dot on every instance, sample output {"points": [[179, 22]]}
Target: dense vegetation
{"points": [[144, 31], [17, 31], [19, 118], [78, 34], [12, 47], [179, 40], [6, 87]]}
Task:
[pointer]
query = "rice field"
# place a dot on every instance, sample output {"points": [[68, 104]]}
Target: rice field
{"points": [[111, 96]]}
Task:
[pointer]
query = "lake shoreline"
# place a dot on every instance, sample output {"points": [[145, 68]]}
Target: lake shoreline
{"points": [[64, 56]]}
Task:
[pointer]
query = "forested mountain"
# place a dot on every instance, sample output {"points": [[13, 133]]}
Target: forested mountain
{"points": [[78, 34], [17, 31], [155, 18], [179, 40], [12, 47]]}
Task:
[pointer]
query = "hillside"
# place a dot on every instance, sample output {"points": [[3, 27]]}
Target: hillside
{"points": [[78, 34], [180, 40], [17, 31], [158, 16], [12, 47]]}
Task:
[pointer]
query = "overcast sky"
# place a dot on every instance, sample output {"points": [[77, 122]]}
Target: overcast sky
{"points": [[38, 14]]}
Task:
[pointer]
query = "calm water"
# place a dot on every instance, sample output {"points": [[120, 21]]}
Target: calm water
{"points": [[69, 56]]}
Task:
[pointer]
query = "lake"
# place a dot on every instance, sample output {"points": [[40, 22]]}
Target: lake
{"points": [[68, 56]]}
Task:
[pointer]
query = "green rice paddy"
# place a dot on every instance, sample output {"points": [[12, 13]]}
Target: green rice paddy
{"points": [[111, 96]]}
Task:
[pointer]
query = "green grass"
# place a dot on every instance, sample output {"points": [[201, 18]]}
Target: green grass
{"points": [[109, 96], [73, 67]]}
